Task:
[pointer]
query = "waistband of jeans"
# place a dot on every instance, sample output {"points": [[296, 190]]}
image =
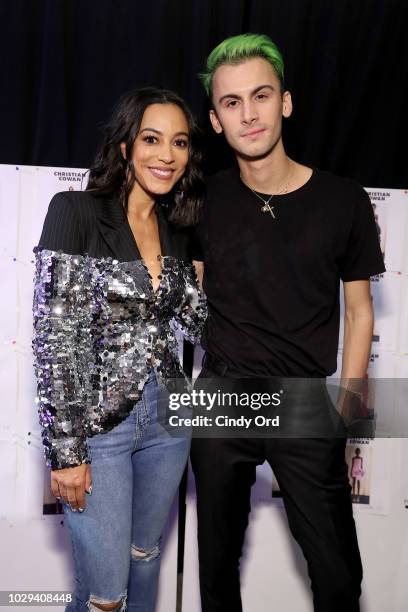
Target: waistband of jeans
{"points": [[152, 376]]}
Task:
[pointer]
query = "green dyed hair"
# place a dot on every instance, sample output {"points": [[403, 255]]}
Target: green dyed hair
{"points": [[237, 49]]}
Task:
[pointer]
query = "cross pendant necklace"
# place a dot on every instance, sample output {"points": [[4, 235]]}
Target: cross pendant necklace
{"points": [[268, 208]]}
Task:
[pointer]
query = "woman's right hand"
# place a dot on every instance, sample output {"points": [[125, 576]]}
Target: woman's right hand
{"points": [[70, 484]]}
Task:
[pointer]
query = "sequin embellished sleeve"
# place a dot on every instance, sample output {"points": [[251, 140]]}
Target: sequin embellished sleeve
{"points": [[62, 343], [192, 312]]}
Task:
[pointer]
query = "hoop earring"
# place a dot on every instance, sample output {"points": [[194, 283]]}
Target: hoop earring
{"points": [[180, 191]]}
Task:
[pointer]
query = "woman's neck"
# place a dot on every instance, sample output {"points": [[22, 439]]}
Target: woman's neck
{"points": [[140, 204]]}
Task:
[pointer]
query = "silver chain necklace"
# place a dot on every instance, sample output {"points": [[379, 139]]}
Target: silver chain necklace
{"points": [[267, 208]]}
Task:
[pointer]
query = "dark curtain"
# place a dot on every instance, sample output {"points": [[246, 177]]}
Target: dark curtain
{"points": [[65, 63]]}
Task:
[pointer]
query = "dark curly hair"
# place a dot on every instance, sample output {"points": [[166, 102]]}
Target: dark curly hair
{"points": [[113, 174]]}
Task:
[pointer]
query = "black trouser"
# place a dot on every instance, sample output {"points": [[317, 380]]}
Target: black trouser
{"points": [[312, 475]]}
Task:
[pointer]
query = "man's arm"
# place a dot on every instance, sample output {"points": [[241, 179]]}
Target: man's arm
{"points": [[358, 329], [358, 332]]}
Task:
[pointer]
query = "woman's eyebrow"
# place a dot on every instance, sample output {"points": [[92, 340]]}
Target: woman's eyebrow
{"points": [[148, 129]]}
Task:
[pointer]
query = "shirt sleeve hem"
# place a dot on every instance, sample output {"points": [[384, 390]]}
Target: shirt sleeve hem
{"points": [[363, 275]]}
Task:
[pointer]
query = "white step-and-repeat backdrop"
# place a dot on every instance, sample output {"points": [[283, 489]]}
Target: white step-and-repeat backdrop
{"points": [[33, 536]]}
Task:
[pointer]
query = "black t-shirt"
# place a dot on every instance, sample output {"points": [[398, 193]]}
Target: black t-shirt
{"points": [[273, 283]]}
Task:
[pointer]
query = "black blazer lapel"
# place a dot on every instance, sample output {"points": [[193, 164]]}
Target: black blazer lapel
{"points": [[115, 229]]}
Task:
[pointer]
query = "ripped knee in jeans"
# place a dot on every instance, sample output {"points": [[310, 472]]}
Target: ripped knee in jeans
{"points": [[140, 554], [96, 604]]}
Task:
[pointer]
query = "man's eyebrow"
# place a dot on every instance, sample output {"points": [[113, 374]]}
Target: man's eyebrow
{"points": [[148, 129], [254, 91]]}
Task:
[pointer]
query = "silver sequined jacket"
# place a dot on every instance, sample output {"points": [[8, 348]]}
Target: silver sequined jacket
{"points": [[98, 328]]}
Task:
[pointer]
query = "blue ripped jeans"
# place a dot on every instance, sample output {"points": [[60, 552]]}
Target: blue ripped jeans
{"points": [[136, 470]]}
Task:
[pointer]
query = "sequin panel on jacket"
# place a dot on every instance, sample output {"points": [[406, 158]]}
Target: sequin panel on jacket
{"points": [[98, 328]]}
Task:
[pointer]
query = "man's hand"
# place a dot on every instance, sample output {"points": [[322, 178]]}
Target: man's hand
{"points": [[71, 483], [350, 404]]}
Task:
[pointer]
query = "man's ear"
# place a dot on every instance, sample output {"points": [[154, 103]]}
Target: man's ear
{"points": [[123, 149], [287, 106], [214, 122]]}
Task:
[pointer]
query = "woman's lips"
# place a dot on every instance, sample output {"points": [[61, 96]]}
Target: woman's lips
{"points": [[161, 173]]}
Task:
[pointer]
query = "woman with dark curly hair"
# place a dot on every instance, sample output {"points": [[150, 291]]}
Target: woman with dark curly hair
{"points": [[114, 280]]}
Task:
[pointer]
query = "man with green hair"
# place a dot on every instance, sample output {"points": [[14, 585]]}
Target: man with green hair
{"points": [[276, 238]]}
